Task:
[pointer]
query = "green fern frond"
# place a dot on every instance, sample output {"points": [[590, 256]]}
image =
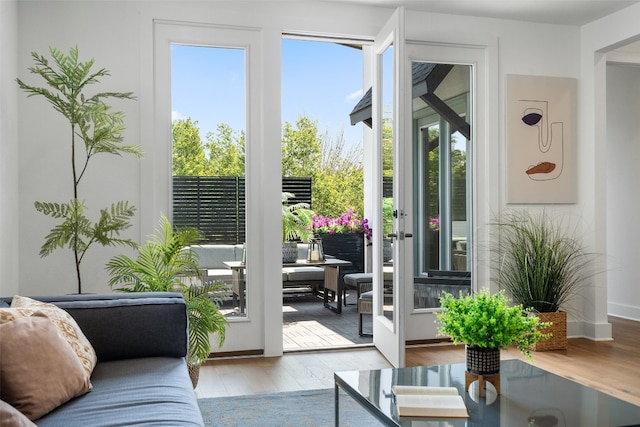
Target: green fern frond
{"points": [[54, 210]]}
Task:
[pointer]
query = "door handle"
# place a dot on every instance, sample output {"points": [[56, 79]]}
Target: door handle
{"points": [[402, 235]]}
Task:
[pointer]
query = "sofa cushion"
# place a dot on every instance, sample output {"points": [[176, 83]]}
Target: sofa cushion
{"points": [[11, 417], [67, 326], [38, 368], [154, 391], [160, 320]]}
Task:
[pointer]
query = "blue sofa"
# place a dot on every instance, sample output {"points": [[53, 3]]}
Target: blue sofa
{"points": [[141, 377]]}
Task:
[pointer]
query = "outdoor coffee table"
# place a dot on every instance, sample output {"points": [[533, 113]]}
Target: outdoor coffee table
{"points": [[529, 396]]}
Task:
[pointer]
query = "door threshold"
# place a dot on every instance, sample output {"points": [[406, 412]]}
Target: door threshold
{"points": [[330, 348]]}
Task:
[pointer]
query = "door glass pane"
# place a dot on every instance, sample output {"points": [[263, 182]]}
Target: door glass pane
{"points": [[442, 126], [387, 179], [208, 103]]}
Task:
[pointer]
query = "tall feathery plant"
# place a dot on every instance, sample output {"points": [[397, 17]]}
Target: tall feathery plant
{"points": [[93, 129], [540, 263]]}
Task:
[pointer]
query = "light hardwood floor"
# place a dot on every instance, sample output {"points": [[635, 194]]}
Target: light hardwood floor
{"points": [[610, 366]]}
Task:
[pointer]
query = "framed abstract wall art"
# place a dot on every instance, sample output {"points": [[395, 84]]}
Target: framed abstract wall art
{"points": [[541, 139]]}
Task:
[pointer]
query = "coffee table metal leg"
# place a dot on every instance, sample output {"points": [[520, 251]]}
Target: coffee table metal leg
{"points": [[336, 402]]}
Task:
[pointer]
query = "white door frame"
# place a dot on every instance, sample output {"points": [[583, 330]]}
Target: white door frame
{"points": [[244, 333]]}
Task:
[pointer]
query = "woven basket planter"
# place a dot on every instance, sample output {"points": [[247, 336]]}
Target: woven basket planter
{"points": [[558, 329], [483, 361], [194, 373]]}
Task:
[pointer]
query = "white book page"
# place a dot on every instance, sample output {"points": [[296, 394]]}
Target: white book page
{"points": [[412, 389]]}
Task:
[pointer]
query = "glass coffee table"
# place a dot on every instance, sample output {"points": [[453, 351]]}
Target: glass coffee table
{"points": [[529, 396]]}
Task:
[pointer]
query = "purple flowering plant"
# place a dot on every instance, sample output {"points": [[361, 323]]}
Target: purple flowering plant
{"points": [[434, 224], [348, 222]]}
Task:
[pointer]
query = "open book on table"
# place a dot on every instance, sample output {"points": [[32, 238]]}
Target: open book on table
{"points": [[429, 401]]}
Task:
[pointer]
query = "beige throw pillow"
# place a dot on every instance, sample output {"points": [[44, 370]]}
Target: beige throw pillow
{"points": [[66, 325], [11, 417], [39, 370]]}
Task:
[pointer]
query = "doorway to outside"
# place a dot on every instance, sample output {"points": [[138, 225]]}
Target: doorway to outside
{"points": [[321, 84]]}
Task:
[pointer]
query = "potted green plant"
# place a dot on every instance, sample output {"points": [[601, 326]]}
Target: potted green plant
{"points": [[488, 323], [296, 225], [98, 130], [541, 265], [165, 263]]}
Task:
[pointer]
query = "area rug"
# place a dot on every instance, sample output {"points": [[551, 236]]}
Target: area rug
{"points": [[309, 408]]}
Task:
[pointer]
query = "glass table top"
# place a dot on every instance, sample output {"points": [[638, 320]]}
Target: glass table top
{"points": [[529, 396]]}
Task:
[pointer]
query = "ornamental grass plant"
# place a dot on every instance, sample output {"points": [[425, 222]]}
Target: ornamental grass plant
{"points": [[539, 262], [489, 321]]}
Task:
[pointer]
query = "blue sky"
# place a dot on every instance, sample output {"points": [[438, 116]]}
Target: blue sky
{"points": [[320, 80]]}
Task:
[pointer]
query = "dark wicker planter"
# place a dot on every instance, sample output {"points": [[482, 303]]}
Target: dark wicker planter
{"points": [[483, 361], [346, 246]]}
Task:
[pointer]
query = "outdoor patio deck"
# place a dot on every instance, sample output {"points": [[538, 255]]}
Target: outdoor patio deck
{"points": [[309, 325]]}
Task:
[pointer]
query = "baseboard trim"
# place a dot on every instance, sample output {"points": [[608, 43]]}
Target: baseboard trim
{"points": [[236, 354]]}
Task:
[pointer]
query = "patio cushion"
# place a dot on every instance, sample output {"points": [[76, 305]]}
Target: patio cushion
{"points": [[355, 279], [213, 256], [298, 274], [223, 274], [367, 295]]}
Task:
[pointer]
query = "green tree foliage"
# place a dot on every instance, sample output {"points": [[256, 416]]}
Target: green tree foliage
{"points": [[94, 129], [226, 149], [222, 154], [337, 173], [387, 148], [301, 148], [189, 157], [339, 183]]}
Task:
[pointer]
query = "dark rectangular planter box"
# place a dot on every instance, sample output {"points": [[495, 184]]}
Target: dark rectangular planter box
{"points": [[346, 246]]}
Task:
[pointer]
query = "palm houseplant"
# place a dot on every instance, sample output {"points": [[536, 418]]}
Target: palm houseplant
{"points": [[296, 226], [487, 323], [165, 263], [542, 266]]}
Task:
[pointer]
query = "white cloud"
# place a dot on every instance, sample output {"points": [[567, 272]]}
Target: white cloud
{"points": [[356, 95], [175, 115]]}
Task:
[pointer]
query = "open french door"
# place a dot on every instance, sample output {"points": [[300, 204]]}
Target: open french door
{"points": [[391, 128]]}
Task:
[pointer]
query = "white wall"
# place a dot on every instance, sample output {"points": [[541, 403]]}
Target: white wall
{"points": [[623, 202], [119, 35], [45, 172], [9, 241], [597, 38]]}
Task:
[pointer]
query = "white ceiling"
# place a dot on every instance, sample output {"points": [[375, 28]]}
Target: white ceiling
{"points": [[567, 12]]}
